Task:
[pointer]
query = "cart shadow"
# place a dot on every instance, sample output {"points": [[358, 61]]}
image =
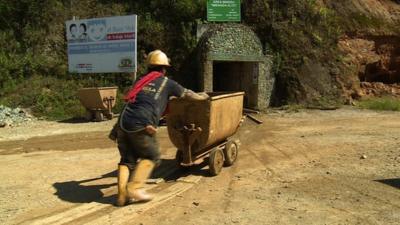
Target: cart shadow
{"points": [[74, 120], [82, 191], [196, 170], [391, 182]]}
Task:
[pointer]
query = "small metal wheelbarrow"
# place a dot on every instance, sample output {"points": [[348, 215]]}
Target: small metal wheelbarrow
{"points": [[98, 102]]}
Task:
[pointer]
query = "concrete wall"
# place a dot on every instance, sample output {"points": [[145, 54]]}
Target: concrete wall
{"points": [[233, 53], [266, 83]]}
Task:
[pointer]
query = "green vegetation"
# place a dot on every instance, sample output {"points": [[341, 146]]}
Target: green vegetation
{"points": [[295, 32], [33, 60], [300, 34], [354, 21], [51, 97], [383, 103]]}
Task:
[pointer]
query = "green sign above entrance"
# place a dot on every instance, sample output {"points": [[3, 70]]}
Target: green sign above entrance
{"points": [[223, 10]]}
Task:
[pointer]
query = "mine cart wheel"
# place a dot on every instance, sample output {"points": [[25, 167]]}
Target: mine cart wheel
{"points": [[230, 153], [216, 161], [88, 115], [99, 116]]}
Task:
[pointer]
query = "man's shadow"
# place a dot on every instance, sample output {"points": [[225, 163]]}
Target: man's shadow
{"points": [[78, 192], [391, 182]]}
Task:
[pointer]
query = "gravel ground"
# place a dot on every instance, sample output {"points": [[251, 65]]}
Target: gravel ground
{"points": [[309, 167]]}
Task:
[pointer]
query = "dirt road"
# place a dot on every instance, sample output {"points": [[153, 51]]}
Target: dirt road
{"points": [[309, 167]]}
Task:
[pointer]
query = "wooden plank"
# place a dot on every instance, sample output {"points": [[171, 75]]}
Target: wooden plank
{"points": [[125, 215], [254, 119], [100, 213], [246, 110]]}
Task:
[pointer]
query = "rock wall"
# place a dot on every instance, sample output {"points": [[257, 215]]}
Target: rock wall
{"points": [[377, 64], [368, 61]]}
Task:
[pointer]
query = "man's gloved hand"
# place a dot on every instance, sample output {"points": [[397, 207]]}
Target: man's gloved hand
{"points": [[204, 95], [150, 129], [189, 94]]}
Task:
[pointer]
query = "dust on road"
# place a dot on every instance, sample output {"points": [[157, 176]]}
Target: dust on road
{"points": [[310, 167]]}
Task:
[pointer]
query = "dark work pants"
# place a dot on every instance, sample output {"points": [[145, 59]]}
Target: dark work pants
{"points": [[137, 145]]}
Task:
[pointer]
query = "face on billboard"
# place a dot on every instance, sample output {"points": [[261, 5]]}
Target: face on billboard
{"points": [[77, 32], [73, 30], [82, 28], [97, 30]]}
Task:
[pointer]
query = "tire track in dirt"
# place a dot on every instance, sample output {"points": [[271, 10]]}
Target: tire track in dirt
{"points": [[229, 194], [366, 195], [363, 218]]}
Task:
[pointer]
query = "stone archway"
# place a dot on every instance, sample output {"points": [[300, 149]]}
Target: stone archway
{"points": [[231, 59]]}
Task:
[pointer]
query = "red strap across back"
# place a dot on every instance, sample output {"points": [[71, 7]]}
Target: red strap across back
{"points": [[140, 84]]}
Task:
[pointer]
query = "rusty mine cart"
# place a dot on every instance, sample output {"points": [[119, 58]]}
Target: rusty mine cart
{"points": [[98, 102], [205, 128]]}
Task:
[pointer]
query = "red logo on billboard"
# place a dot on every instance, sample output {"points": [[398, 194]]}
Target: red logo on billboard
{"points": [[121, 36]]}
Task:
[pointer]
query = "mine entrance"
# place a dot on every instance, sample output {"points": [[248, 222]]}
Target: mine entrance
{"points": [[237, 76]]}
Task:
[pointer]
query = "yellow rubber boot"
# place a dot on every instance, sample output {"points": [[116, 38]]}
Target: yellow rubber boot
{"points": [[140, 175], [123, 176]]}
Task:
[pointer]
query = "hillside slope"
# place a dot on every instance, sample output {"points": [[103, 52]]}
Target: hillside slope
{"points": [[325, 52], [324, 49]]}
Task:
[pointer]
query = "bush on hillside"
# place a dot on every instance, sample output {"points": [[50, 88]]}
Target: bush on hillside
{"points": [[300, 34]]}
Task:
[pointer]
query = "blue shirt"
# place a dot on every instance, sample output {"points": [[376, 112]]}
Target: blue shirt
{"points": [[150, 104]]}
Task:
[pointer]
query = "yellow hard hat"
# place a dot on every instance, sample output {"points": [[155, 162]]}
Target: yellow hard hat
{"points": [[157, 58]]}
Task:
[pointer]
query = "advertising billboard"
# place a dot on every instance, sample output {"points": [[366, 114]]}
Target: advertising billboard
{"points": [[102, 45]]}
